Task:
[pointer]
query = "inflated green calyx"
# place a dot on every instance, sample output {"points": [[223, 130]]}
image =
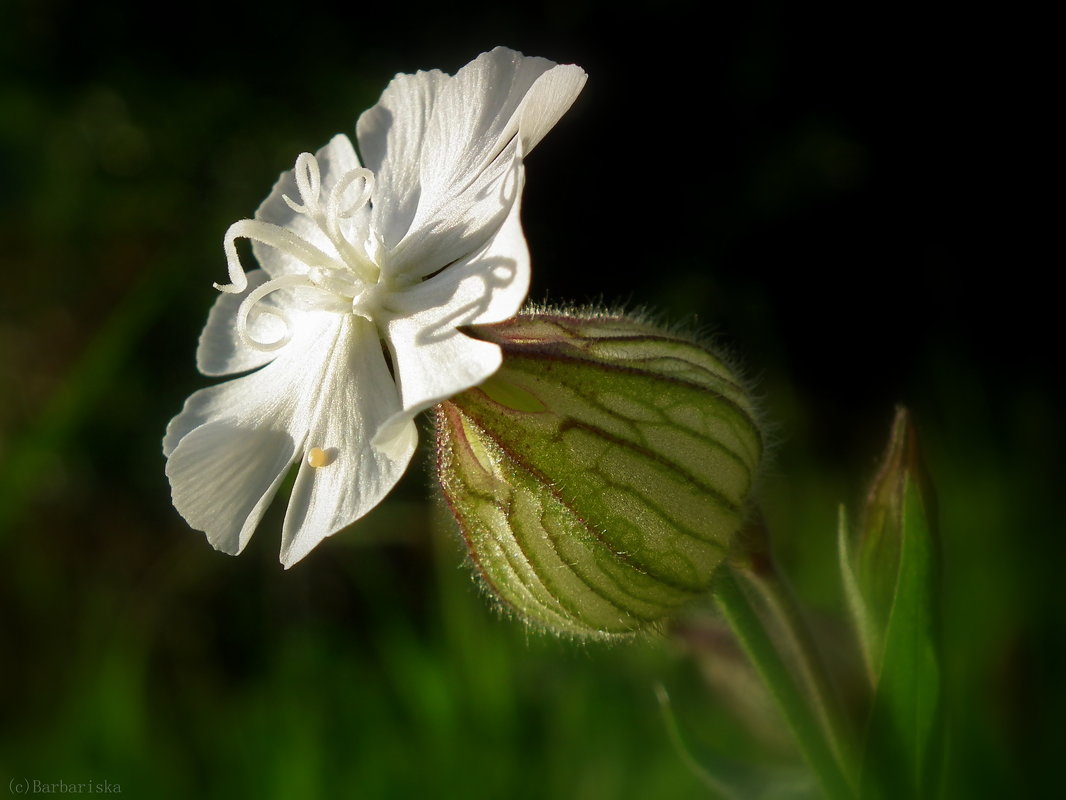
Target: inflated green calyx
{"points": [[599, 476]]}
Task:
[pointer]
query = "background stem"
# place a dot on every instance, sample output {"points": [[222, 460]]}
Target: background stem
{"points": [[802, 692]]}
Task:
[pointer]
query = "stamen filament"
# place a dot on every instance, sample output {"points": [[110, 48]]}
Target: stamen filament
{"points": [[348, 280], [336, 196], [308, 179], [257, 294], [337, 210], [273, 236]]}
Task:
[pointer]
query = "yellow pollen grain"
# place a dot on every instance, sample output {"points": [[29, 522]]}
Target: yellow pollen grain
{"points": [[317, 457]]}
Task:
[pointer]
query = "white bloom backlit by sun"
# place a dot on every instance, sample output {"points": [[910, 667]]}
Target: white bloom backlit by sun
{"points": [[368, 270]]}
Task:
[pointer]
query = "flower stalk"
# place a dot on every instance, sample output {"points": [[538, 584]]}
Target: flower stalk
{"points": [[769, 625]]}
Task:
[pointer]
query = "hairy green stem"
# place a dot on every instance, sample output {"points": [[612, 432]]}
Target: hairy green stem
{"points": [[804, 698]]}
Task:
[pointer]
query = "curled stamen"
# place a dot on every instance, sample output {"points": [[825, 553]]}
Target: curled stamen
{"points": [[338, 283], [309, 183], [274, 236], [308, 179], [299, 209], [334, 210], [339, 208], [257, 294]]}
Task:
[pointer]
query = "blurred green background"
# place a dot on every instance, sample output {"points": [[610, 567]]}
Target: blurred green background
{"points": [[824, 187]]}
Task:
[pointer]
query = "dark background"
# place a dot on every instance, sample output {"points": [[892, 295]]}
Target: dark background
{"points": [[847, 198]]}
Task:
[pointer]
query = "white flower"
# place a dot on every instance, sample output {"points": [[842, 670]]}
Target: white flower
{"points": [[368, 270]]}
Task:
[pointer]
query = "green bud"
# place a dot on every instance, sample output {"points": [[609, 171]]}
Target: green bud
{"points": [[599, 476], [891, 581], [880, 531], [874, 563]]}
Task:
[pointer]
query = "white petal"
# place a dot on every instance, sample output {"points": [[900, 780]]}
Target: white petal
{"points": [[470, 133], [221, 350], [335, 160], [432, 360], [232, 444], [447, 229], [357, 395], [435, 370], [547, 100], [488, 286], [283, 389], [390, 138], [223, 477], [495, 97]]}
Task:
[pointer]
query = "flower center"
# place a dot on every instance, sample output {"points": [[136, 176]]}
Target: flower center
{"points": [[337, 251]]}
